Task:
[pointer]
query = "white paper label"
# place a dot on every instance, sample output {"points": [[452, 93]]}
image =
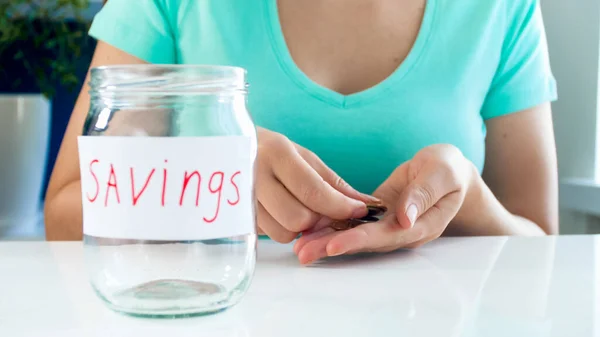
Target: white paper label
{"points": [[166, 188]]}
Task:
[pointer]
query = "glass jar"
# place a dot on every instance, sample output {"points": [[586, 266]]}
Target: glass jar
{"points": [[167, 178]]}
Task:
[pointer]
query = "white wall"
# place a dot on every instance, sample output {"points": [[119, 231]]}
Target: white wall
{"points": [[573, 30]]}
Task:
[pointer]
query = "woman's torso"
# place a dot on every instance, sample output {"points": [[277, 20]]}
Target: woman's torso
{"points": [[383, 90]]}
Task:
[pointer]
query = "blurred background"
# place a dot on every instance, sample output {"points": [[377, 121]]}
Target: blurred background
{"points": [[45, 53], [44, 56]]}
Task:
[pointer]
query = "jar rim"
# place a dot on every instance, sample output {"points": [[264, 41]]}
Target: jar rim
{"points": [[168, 66], [172, 79]]}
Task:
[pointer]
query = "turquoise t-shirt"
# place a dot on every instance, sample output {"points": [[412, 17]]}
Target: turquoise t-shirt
{"points": [[472, 61]]}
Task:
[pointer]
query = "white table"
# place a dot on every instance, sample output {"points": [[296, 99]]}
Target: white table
{"points": [[505, 287]]}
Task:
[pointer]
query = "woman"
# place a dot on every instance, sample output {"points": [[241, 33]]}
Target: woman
{"points": [[440, 108]]}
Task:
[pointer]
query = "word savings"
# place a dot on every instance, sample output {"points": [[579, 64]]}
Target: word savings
{"points": [[164, 185]]}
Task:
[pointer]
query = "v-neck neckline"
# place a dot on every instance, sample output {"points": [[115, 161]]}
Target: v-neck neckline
{"points": [[333, 97]]}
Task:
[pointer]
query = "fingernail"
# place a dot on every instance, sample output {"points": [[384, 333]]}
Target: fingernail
{"points": [[411, 214]]}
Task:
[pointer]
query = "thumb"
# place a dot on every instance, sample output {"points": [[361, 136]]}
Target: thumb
{"points": [[415, 200], [422, 194]]}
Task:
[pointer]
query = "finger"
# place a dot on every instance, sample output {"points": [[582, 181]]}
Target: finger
{"points": [[331, 177], [312, 191], [284, 207], [424, 192], [305, 238], [322, 223], [390, 190], [272, 228], [374, 236], [383, 236], [436, 219], [316, 249]]}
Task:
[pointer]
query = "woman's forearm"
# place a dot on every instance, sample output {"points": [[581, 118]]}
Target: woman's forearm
{"points": [[483, 215], [63, 215]]}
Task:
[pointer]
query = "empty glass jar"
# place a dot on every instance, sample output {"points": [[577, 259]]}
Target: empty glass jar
{"points": [[167, 175]]}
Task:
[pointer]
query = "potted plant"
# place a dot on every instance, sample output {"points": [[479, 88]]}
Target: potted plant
{"points": [[40, 46]]}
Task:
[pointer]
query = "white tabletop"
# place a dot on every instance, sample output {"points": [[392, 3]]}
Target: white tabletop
{"points": [[452, 287]]}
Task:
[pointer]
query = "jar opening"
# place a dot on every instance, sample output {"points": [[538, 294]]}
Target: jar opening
{"points": [[156, 79]]}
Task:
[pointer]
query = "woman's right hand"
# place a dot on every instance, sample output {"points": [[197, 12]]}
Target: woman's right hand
{"points": [[296, 191]]}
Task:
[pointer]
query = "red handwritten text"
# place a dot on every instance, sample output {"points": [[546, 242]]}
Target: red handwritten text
{"points": [[136, 197], [237, 190], [164, 186], [217, 191], [186, 180], [160, 191], [112, 182], [95, 180]]}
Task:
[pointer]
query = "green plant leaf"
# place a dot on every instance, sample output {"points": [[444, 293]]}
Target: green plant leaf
{"points": [[45, 37], [19, 55], [50, 44]]}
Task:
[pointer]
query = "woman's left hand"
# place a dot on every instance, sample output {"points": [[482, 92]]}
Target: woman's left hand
{"points": [[422, 195]]}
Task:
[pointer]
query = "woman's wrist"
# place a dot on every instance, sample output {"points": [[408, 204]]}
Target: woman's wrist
{"points": [[483, 214], [471, 209]]}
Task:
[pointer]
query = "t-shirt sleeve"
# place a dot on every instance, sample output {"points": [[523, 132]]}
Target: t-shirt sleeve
{"points": [[523, 78], [138, 27]]}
